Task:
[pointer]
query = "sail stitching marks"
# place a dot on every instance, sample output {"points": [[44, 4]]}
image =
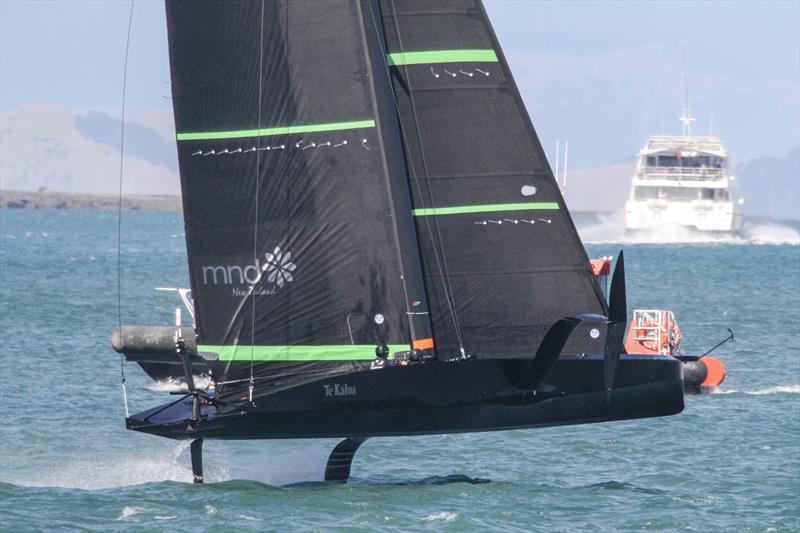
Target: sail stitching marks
{"points": [[441, 56], [485, 208], [296, 146], [278, 130]]}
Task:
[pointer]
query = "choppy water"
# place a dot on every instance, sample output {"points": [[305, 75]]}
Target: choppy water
{"points": [[729, 462]]}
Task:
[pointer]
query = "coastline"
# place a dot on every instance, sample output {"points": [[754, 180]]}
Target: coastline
{"points": [[68, 200]]}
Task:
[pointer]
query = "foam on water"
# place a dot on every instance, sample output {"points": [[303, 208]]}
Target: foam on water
{"points": [[444, 515], [778, 389], [610, 228], [127, 512], [135, 468], [771, 233], [173, 385]]}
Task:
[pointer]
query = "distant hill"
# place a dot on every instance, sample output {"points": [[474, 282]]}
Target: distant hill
{"points": [[600, 189], [771, 185], [58, 149], [55, 148]]}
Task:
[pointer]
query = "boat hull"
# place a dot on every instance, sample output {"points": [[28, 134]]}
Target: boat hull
{"points": [[700, 216], [434, 398]]}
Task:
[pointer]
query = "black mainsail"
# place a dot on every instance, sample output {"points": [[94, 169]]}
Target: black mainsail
{"points": [[360, 177], [290, 186]]}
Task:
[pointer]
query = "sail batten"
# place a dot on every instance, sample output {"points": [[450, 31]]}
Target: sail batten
{"points": [[278, 130], [335, 352], [485, 208], [428, 57]]}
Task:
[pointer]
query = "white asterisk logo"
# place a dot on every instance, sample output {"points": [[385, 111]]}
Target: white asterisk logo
{"points": [[279, 267]]}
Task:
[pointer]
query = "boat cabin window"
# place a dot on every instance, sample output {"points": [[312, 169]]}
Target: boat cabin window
{"points": [[676, 160], [646, 193], [680, 193]]}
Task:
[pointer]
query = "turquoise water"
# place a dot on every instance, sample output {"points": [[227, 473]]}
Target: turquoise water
{"points": [[729, 462]]}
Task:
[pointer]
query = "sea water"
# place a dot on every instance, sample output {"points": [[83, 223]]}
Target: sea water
{"points": [[729, 462]]}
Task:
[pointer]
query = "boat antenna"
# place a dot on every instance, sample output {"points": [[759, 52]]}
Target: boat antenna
{"points": [[119, 209], [557, 150], [566, 158], [728, 338], [686, 119]]}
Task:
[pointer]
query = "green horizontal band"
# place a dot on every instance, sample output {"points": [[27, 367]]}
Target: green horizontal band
{"points": [[333, 352], [281, 130], [485, 208], [441, 56]]}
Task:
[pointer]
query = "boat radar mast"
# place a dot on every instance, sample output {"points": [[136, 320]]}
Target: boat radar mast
{"points": [[686, 119]]}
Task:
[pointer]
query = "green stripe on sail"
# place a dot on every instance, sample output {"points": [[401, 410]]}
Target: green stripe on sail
{"points": [[280, 130], [441, 56], [485, 208], [332, 352]]}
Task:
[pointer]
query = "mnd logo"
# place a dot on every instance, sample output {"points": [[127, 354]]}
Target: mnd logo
{"points": [[276, 270]]}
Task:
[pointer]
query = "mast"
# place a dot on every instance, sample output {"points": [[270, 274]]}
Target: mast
{"points": [[385, 108], [686, 119]]}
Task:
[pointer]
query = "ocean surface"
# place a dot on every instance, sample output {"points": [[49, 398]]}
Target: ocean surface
{"points": [[729, 462]]}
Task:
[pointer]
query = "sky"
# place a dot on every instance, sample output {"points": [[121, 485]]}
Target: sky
{"points": [[600, 74]]}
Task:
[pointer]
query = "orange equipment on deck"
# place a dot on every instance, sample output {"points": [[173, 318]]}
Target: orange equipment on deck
{"points": [[656, 332], [653, 331]]}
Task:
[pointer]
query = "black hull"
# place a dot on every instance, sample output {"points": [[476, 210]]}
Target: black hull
{"points": [[434, 398], [162, 367]]}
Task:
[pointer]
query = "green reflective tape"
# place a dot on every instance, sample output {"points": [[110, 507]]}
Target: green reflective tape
{"points": [[332, 352], [281, 130], [485, 208], [441, 56]]}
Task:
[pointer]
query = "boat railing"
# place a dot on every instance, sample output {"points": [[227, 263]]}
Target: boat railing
{"points": [[682, 173], [652, 327]]}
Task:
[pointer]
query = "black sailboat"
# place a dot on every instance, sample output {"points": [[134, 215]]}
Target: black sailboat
{"points": [[376, 242]]}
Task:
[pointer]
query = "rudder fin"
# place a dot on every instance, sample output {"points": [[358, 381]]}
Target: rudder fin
{"points": [[341, 458]]}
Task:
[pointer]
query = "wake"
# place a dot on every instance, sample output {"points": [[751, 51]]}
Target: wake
{"points": [[135, 468], [610, 228], [174, 385], [778, 389]]}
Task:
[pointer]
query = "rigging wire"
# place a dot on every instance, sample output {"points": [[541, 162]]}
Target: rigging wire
{"points": [[258, 186], [119, 207], [441, 263]]}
